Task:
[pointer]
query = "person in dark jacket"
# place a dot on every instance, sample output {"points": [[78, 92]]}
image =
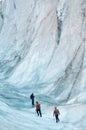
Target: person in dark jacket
{"points": [[38, 109], [56, 113], [32, 98]]}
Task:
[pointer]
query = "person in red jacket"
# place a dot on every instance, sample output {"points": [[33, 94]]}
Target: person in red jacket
{"points": [[56, 113], [38, 109]]}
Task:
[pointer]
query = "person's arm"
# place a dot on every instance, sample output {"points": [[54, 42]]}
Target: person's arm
{"points": [[53, 113], [58, 112]]}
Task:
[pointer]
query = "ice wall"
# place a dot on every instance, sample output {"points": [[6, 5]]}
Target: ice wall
{"points": [[42, 50], [42, 44]]}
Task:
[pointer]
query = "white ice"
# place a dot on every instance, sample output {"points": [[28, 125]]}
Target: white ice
{"points": [[42, 50]]}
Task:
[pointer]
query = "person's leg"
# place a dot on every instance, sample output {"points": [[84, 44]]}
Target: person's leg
{"points": [[40, 113], [32, 101], [37, 112], [57, 119]]}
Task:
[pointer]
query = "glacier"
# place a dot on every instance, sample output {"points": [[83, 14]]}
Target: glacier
{"points": [[42, 50]]}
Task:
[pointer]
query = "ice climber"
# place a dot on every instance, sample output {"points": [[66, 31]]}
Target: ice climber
{"points": [[56, 113], [32, 98], [38, 109]]}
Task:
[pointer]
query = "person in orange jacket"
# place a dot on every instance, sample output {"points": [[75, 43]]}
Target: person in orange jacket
{"points": [[38, 109], [56, 113]]}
